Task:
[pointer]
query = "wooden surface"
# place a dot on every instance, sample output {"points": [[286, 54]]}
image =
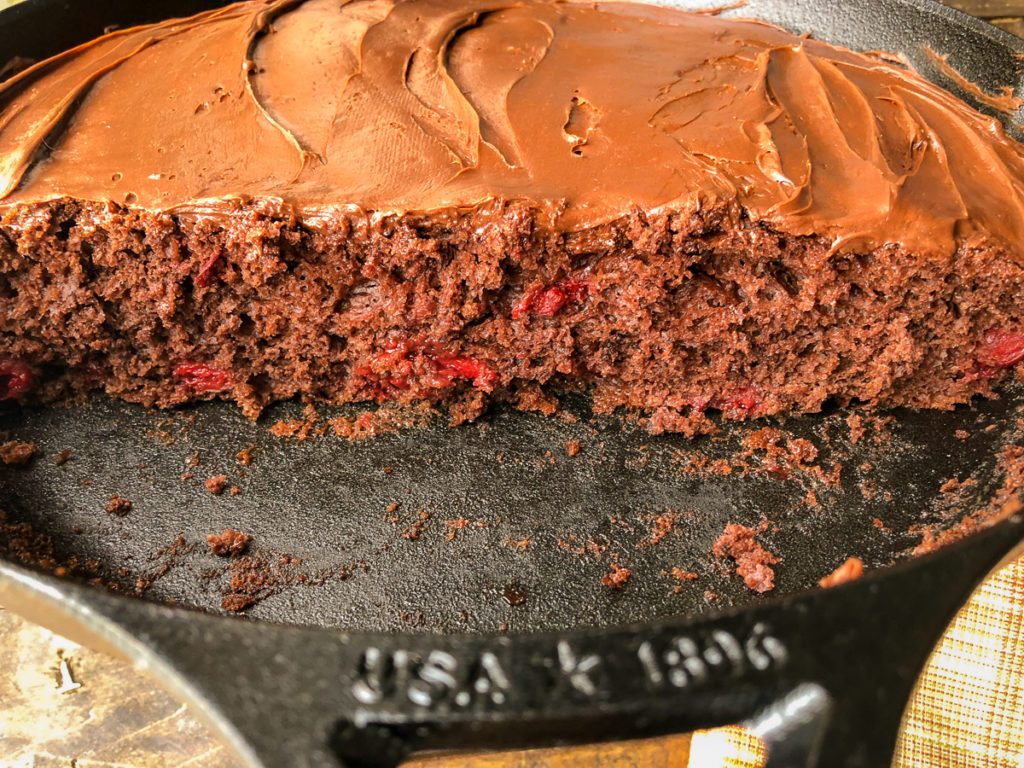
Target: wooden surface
{"points": [[62, 705], [66, 706], [990, 9]]}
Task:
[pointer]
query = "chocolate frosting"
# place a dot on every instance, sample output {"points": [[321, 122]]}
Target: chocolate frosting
{"points": [[585, 109]]}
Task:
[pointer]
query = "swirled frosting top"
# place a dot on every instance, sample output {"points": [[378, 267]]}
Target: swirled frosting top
{"points": [[592, 108]]}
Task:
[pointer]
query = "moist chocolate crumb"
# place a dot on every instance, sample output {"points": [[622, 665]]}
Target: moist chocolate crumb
{"points": [[146, 581], [681, 575], [720, 467], [949, 486], [61, 457], [17, 453], [413, 531], [856, 425], [753, 562], [513, 595], [215, 484], [244, 456], [237, 602], [852, 569], [454, 526], [412, 619], [119, 505], [663, 525], [20, 542], [228, 543], [617, 577]]}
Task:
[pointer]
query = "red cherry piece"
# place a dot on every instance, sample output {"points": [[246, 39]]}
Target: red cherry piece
{"points": [[199, 377], [549, 300], [424, 365], [210, 270], [16, 378], [454, 367], [746, 398], [1000, 348]]}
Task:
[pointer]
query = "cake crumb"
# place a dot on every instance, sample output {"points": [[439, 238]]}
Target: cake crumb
{"points": [[237, 602], [753, 562], [961, 434], [17, 453], [61, 458], [119, 505], [244, 456], [215, 484], [856, 425], [299, 429], [681, 575], [663, 525], [616, 578], [412, 619], [572, 447], [385, 419], [720, 467], [228, 543], [453, 526], [235, 490], [852, 569], [413, 531]]}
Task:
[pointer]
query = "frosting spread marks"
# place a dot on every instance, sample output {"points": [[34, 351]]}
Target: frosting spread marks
{"points": [[593, 108]]}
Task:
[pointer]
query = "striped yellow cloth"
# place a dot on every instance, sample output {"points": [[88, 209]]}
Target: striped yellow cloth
{"points": [[969, 706], [968, 709]]}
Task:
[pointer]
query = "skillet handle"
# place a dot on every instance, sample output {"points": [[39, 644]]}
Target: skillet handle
{"points": [[822, 677]]}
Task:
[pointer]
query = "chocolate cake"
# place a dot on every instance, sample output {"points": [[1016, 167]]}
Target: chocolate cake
{"points": [[473, 200]]}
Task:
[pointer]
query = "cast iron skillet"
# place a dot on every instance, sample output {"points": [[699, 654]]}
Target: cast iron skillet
{"points": [[450, 632]]}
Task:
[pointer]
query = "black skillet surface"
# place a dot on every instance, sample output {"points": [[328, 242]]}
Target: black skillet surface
{"points": [[489, 642], [539, 529]]}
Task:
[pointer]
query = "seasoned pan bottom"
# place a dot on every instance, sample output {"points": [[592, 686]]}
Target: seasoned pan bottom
{"points": [[519, 522]]}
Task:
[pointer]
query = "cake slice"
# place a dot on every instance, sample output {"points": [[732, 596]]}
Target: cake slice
{"points": [[468, 200]]}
